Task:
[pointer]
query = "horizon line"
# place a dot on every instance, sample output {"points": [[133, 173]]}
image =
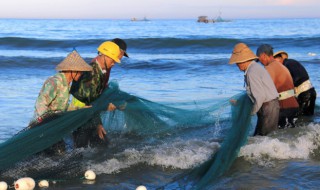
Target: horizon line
{"points": [[262, 18]]}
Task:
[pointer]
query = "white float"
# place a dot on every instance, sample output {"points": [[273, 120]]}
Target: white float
{"points": [[43, 183], [25, 183], [90, 175], [3, 185], [141, 187]]}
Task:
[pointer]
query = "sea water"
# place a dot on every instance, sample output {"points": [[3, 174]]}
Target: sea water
{"points": [[171, 61]]}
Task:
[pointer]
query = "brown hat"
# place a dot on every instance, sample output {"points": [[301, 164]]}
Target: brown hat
{"points": [[281, 52], [73, 62], [241, 53]]}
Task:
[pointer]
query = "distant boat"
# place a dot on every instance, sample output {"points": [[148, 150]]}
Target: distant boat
{"points": [[220, 19], [205, 19], [136, 19]]}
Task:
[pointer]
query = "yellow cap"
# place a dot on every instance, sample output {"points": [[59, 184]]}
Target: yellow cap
{"points": [[111, 50]]}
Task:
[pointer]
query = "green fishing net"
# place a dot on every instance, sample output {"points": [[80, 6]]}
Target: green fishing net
{"points": [[19, 155], [222, 160]]}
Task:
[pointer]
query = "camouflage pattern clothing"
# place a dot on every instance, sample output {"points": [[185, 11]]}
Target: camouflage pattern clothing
{"points": [[53, 97], [91, 84], [87, 89]]}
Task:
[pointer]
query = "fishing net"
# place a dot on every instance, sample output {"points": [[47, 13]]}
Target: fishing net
{"points": [[22, 155], [222, 160]]}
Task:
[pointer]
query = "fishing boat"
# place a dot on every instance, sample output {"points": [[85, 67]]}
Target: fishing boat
{"points": [[204, 19], [220, 19], [136, 19]]}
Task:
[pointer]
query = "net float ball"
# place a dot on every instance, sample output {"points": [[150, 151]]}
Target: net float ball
{"points": [[90, 175], [25, 183], [141, 187], [43, 183], [3, 185]]}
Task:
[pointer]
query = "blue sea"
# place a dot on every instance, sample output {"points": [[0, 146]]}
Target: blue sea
{"points": [[171, 61]]}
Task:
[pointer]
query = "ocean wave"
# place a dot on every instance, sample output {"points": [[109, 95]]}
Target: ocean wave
{"points": [[165, 62], [31, 43], [192, 44], [297, 143], [178, 155]]}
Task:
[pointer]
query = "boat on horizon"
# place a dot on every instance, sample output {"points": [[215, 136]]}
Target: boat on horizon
{"points": [[205, 19], [136, 19]]}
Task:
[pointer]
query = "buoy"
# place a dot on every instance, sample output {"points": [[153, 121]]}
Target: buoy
{"points": [[25, 183], [3, 185], [43, 183], [141, 187], [90, 175]]}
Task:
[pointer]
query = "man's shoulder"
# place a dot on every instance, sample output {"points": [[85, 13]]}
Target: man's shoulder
{"points": [[54, 79], [255, 67], [292, 62]]}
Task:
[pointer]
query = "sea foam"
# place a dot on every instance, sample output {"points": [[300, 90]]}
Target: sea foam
{"points": [[179, 154], [263, 150]]}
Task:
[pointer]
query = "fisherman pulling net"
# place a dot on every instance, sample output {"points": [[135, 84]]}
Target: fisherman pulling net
{"points": [[137, 116]]}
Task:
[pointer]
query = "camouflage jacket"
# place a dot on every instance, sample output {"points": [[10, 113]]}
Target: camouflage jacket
{"points": [[54, 96], [91, 84]]}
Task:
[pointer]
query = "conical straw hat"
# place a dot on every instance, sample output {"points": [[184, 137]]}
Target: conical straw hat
{"points": [[241, 53], [281, 52], [73, 62]]}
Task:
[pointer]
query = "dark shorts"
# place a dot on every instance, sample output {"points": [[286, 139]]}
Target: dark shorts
{"points": [[288, 117], [268, 117], [307, 101], [87, 134]]}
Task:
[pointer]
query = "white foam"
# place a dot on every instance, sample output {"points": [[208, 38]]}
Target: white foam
{"points": [[179, 154], [312, 54], [183, 154], [262, 150]]}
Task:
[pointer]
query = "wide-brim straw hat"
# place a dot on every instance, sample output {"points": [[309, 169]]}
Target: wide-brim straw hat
{"points": [[241, 53], [73, 62], [281, 52]]}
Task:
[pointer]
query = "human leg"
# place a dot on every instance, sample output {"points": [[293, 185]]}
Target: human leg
{"points": [[268, 117], [307, 102]]}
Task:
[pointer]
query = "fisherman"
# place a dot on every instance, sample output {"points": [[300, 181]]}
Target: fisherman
{"points": [[260, 88], [304, 91], [282, 79], [90, 86], [54, 95]]}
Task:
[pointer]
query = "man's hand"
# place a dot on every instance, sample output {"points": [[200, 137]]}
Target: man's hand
{"points": [[123, 106], [101, 132], [233, 102], [111, 107]]}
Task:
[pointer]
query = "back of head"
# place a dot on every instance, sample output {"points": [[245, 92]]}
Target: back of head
{"points": [[241, 53], [265, 48], [282, 54], [73, 62], [110, 49], [122, 45]]}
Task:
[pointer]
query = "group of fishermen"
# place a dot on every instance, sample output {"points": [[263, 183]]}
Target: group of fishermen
{"points": [[280, 92], [85, 82]]}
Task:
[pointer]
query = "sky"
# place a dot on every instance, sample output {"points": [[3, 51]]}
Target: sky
{"points": [[158, 9]]}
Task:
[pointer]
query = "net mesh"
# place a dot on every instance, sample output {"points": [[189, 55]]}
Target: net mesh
{"points": [[22, 155], [222, 160]]}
